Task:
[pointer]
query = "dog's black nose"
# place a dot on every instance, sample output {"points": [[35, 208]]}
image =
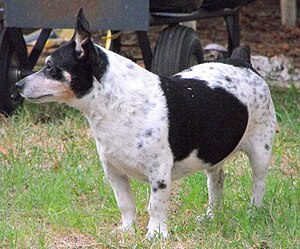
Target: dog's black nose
{"points": [[20, 84]]}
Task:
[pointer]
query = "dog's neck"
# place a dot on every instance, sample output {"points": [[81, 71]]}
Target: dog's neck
{"points": [[123, 88], [126, 101]]}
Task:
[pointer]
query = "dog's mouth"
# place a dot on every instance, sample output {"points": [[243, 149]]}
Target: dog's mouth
{"points": [[38, 98]]}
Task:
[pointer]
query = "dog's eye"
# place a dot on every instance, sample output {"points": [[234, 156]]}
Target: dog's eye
{"points": [[48, 65], [55, 73]]}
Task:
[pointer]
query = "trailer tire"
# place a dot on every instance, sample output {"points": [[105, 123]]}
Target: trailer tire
{"points": [[13, 57], [177, 48]]}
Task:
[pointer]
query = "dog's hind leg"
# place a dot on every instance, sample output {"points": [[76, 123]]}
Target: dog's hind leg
{"points": [[123, 194], [258, 146], [259, 153], [215, 183]]}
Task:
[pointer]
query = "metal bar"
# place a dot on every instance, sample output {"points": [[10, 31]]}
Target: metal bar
{"points": [[38, 47], [159, 18], [233, 30], [19, 46], [145, 48], [1, 14]]}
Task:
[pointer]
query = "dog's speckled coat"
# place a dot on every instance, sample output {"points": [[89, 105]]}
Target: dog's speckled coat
{"points": [[159, 129]]}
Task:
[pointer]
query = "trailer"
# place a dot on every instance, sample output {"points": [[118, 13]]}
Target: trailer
{"points": [[177, 46]]}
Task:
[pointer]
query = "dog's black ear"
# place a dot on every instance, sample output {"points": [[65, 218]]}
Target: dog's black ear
{"points": [[87, 49], [82, 35]]}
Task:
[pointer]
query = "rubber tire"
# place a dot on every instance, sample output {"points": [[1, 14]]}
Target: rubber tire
{"points": [[177, 48], [8, 50]]}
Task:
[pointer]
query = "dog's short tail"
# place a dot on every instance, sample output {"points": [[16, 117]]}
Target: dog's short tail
{"points": [[241, 57], [242, 54]]}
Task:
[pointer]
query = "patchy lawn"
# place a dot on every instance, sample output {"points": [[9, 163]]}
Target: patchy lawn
{"points": [[53, 193]]}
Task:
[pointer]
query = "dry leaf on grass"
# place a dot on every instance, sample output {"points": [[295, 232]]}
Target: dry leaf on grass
{"points": [[4, 151]]}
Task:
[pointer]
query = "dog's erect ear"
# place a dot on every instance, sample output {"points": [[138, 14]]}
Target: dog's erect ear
{"points": [[82, 35]]}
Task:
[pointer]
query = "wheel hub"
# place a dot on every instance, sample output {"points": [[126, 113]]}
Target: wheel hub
{"points": [[13, 75]]}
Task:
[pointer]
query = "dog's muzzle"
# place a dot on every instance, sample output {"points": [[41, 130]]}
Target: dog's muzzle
{"points": [[20, 84]]}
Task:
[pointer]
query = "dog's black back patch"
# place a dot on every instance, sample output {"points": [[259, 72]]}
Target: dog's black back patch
{"points": [[212, 121]]}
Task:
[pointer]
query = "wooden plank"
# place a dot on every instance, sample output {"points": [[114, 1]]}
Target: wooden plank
{"points": [[288, 12]]}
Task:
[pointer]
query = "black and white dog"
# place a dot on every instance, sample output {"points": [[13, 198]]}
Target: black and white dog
{"points": [[159, 129]]}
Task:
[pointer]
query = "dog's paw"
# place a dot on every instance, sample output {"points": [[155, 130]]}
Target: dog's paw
{"points": [[126, 228], [156, 234], [123, 230], [157, 230], [209, 216], [252, 211]]}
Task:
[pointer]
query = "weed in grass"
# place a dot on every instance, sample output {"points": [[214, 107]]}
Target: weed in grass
{"points": [[53, 193]]}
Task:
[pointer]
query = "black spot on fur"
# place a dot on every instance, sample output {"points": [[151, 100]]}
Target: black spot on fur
{"points": [[161, 185], [148, 133], [212, 122], [130, 66], [231, 87], [228, 79], [267, 147], [140, 145], [155, 165]]}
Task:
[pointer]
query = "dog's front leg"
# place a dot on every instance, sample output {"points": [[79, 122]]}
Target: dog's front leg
{"points": [[160, 182], [123, 194]]}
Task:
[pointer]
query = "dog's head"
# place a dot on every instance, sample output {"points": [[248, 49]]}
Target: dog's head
{"points": [[69, 71]]}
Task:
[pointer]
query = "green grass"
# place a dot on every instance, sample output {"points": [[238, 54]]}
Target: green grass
{"points": [[53, 193]]}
